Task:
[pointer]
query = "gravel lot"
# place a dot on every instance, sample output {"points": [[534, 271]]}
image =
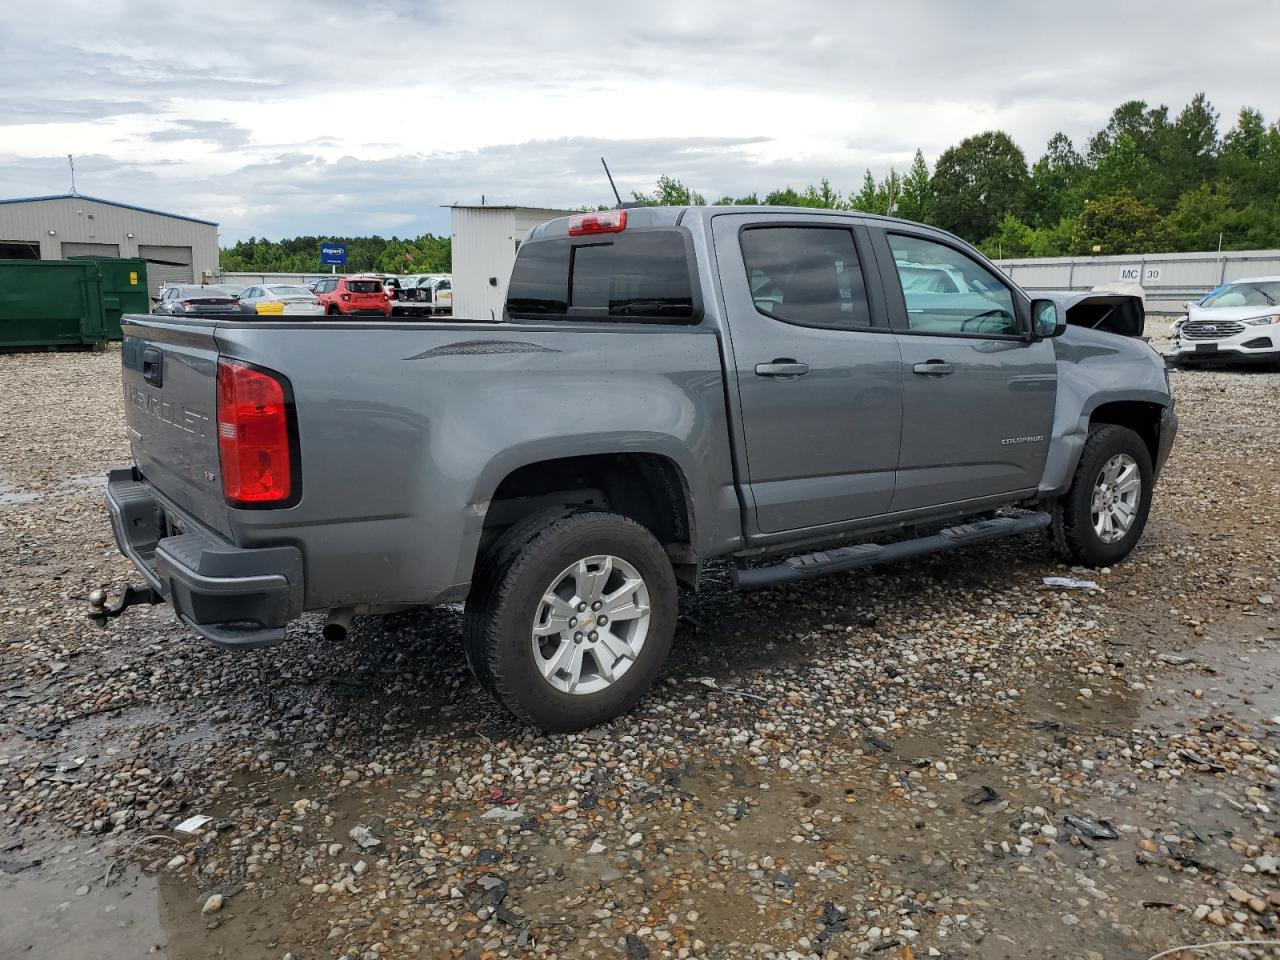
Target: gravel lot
{"points": [[938, 759]]}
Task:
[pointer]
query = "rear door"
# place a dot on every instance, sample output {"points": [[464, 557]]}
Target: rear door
{"points": [[170, 370], [816, 366], [978, 394]]}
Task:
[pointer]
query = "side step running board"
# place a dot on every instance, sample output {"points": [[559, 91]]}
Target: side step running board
{"points": [[868, 554]]}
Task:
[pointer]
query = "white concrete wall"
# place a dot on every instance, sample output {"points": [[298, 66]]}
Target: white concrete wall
{"points": [[1169, 279], [484, 250]]}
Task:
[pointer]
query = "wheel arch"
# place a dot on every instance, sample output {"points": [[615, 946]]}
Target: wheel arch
{"points": [[1140, 416], [648, 486]]}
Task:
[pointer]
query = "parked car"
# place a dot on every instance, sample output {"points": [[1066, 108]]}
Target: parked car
{"points": [[642, 411], [183, 299], [353, 296], [429, 294], [420, 296], [279, 298], [1239, 321]]}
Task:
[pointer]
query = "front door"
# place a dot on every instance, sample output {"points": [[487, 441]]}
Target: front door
{"points": [[978, 394], [817, 369]]}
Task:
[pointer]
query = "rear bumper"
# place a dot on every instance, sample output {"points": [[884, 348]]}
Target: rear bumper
{"points": [[235, 597]]}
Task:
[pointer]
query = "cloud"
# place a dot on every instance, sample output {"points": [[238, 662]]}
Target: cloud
{"points": [[236, 115], [224, 133]]}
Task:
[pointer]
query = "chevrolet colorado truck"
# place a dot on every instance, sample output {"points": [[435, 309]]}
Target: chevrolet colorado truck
{"points": [[797, 392]]}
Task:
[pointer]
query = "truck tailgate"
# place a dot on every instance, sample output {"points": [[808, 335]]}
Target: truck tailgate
{"points": [[170, 370]]}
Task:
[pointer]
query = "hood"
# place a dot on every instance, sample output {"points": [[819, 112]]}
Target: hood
{"points": [[1121, 313], [1197, 312]]}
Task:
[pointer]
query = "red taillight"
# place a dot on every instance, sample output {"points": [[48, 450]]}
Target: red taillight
{"points": [[607, 221], [253, 436]]}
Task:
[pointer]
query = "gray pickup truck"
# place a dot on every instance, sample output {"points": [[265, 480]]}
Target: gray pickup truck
{"points": [[800, 391]]}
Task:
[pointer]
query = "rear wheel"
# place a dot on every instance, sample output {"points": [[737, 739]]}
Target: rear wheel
{"points": [[1101, 517], [570, 620], [333, 311]]}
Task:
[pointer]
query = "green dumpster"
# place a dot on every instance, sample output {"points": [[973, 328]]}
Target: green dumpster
{"points": [[124, 290], [68, 303]]}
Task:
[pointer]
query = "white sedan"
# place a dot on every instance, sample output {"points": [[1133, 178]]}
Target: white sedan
{"points": [[1239, 321], [277, 299]]}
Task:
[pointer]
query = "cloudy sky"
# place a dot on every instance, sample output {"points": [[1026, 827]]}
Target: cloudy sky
{"points": [[285, 117]]}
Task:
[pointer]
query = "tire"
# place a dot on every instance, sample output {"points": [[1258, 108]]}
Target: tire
{"points": [[1075, 530], [333, 311], [542, 555]]}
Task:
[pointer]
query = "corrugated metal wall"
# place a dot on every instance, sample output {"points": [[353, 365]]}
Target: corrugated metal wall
{"points": [[84, 220], [1169, 279]]}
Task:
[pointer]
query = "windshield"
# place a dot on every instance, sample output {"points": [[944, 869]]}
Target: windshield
{"points": [[1245, 293], [289, 291]]}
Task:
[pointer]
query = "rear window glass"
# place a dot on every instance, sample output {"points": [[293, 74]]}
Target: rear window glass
{"points": [[289, 291], [642, 275], [364, 286]]}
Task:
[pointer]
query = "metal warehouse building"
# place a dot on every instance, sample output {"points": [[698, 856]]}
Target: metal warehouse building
{"points": [[485, 241], [177, 249]]}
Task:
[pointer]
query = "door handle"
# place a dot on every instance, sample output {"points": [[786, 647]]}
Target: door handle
{"points": [[153, 367], [934, 368], [783, 369]]}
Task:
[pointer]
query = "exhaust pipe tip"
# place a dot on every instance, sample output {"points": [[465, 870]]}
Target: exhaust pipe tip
{"points": [[337, 624]]}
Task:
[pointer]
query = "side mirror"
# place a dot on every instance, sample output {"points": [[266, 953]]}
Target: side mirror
{"points": [[1045, 321]]}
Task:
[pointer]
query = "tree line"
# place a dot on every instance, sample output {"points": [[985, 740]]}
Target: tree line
{"points": [[424, 254], [1148, 182]]}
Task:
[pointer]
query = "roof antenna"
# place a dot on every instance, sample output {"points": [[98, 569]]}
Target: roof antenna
{"points": [[71, 162], [612, 185]]}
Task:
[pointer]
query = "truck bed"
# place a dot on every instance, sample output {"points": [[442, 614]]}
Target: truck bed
{"points": [[406, 428]]}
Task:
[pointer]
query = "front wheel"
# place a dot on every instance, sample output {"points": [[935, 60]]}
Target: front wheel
{"points": [[570, 621], [1102, 515]]}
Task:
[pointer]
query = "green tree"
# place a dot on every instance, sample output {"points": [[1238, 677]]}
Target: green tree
{"points": [[670, 192], [820, 195], [916, 201], [1012, 238], [1124, 167], [1119, 223], [1192, 152], [1055, 180], [977, 182], [1202, 218]]}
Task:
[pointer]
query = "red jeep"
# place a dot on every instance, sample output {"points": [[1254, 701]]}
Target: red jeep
{"points": [[353, 296]]}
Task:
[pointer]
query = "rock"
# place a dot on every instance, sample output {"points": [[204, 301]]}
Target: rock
{"points": [[1267, 864], [213, 904], [597, 848], [364, 837], [82, 891], [636, 950], [504, 814], [635, 840], [177, 863]]}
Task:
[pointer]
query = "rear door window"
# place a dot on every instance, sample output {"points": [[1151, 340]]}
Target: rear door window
{"points": [[806, 275], [640, 276]]}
